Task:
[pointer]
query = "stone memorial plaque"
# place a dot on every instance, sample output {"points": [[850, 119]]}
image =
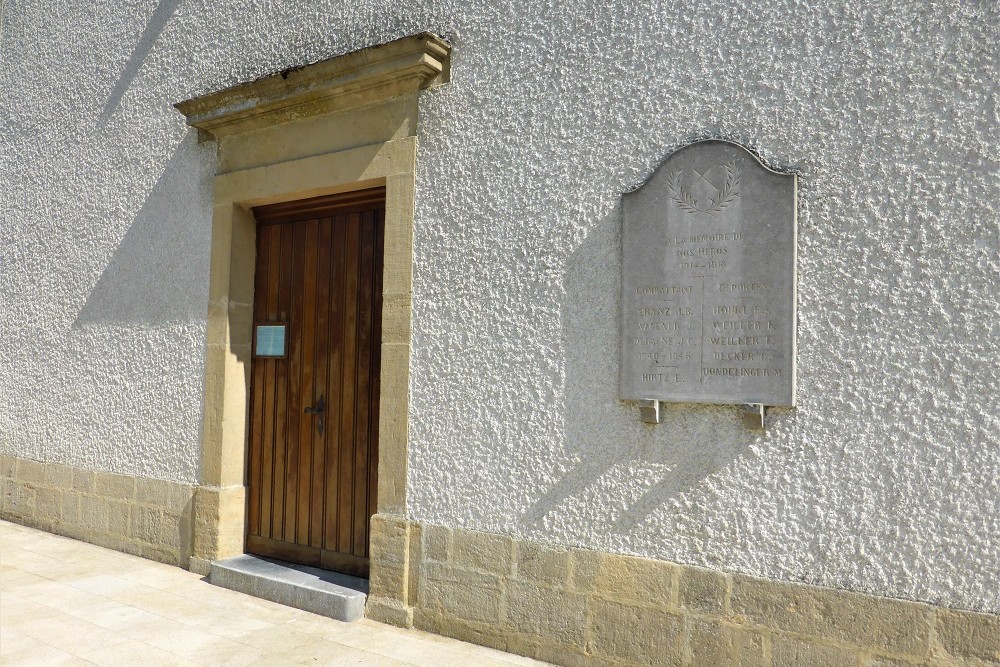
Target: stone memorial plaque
{"points": [[708, 280]]}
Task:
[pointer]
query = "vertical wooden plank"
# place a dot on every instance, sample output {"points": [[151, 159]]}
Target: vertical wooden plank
{"points": [[362, 382], [295, 403], [322, 352], [331, 524], [270, 385], [281, 386], [257, 387], [345, 508], [309, 394], [376, 370]]}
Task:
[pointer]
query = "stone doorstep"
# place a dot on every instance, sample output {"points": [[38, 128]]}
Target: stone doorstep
{"points": [[332, 594]]}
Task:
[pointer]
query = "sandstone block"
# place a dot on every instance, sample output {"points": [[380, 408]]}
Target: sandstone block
{"points": [[93, 512], [626, 578], [413, 560], [553, 615], [114, 541], [157, 553], [391, 612], [58, 476], [881, 661], [48, 525], [200, 566], [110, 485], [218, 521], [8, 466], [891, 625], [525, 645], [118, 520], [567, 656], [70, 507], [48, 504], [716, 644], [641, 635], [389, 542], [585, 568], [788, 652], [19, 499], [467, 599], [388, 582], [171, 496], [436, 542], [83, 480], [535, 562], [77, 531], [154, 526], [702, 591], [482, 551], [474, 633], [146, 524], [30, 472], [427, 620], [6, 490], [396, 318], [968, 634]]}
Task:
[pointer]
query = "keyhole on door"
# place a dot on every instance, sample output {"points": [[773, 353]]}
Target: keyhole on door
{"points": [[318, 411]]}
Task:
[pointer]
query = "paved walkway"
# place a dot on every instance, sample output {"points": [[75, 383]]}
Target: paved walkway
{"points": [[64, 602]]}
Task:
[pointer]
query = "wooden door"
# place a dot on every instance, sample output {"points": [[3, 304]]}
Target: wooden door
{"points": [[313, 446]]}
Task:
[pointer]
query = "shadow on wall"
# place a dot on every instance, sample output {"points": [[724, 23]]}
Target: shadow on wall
{"points": [[159, 272], [154, 26], [644, 465]]}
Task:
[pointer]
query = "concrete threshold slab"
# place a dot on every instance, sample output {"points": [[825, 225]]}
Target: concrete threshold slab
{"points": [[332, 594]]}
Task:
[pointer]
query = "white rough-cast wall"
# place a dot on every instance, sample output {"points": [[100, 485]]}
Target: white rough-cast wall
{"points": [[884, 478]]}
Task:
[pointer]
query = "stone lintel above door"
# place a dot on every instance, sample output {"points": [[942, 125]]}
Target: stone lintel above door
{"points": [[340, 83]]}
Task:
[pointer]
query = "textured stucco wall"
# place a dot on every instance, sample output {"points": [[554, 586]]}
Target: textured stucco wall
{"points": [[884, 479], [105, 207]]}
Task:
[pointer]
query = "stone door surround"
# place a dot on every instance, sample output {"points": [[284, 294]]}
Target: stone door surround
{"points": [[342, 124]]}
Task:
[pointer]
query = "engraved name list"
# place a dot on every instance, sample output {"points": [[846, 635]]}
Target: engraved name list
{"points": [[708, 284]]}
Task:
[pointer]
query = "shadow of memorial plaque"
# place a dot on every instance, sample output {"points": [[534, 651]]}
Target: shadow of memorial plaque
{"points": [[708, 281]]}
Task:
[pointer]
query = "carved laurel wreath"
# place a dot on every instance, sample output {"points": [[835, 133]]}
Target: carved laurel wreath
{"points": [[727, 195]]}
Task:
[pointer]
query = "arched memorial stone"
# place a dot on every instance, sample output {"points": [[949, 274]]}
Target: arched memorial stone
{"points": [[708, 281]]}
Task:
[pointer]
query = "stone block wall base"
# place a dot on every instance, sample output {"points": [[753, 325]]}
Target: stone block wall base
{"points": [[579, 607], [147, 517], [389, 611], [218, 522], [200, 566]]}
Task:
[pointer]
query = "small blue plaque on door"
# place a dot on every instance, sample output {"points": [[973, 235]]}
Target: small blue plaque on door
{"points": [[270, 340]]}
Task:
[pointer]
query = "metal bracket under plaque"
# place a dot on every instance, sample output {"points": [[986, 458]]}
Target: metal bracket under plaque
{"points": [[753, 415], [650, 411]]}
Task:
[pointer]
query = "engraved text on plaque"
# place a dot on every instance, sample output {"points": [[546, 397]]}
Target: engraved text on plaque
{"points": [[708, 282]]}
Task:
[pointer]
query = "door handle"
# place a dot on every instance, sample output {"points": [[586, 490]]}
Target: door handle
{"points": [[317, 410]]}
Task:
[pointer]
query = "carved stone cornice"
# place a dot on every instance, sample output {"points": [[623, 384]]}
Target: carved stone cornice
{"points": [[344, 82]]}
